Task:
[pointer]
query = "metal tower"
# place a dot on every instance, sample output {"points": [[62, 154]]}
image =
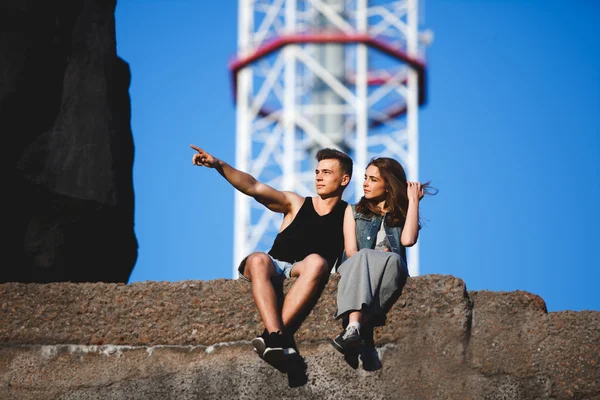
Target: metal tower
{"points": [[346, 74]]}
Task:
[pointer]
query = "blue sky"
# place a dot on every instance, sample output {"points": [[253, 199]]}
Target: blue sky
{"points": [[510, 136]]}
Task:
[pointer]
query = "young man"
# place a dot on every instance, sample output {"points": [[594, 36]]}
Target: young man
{"points": [[308, 244]]}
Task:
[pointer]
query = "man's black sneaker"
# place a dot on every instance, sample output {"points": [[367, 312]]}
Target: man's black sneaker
{"points": [[277, 348], [273, 347], [348, 339]]}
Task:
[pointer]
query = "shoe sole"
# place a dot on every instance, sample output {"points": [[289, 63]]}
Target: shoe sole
{"points": [[274, 356], [337, 346], [259, 346], [278, 353]]}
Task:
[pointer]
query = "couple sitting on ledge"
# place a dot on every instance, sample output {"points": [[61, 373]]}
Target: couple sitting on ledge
{"points": [[314, 234]]}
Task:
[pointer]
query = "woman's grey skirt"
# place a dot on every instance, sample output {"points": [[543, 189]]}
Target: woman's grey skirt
{"points": [[371, 281]]}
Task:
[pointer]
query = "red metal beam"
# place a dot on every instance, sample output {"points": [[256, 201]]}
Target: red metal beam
{"points": [[323, 38], [372, 80]]}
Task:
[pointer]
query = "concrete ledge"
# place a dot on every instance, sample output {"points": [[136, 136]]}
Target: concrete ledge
{"points": [[190, 339], [191, 312]]}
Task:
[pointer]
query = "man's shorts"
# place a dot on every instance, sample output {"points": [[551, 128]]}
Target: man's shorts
{"points": [[283, 269]]}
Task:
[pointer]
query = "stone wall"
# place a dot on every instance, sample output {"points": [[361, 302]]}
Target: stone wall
{"points": [[191, 340]]}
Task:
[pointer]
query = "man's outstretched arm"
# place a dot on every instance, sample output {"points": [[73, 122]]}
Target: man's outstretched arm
{"points": [[273, 199]]}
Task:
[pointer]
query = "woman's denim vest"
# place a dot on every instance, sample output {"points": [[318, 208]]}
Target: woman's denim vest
{"points": [[366, 233]]}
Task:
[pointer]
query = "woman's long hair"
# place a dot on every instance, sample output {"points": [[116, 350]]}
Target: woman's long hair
{"points": [[396, 198]]}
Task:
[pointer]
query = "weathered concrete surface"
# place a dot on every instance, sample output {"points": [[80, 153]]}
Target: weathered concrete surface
{"points": [[190, 340]]}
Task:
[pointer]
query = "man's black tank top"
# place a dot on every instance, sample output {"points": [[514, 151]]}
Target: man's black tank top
{"points": [[311, 233]]}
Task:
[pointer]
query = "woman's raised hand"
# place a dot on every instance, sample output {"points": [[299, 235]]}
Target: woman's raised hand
{"points": [[414, 191]]}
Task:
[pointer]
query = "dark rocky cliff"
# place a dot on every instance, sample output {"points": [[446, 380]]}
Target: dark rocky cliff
{"points": [[191, 340], [67, 142]]}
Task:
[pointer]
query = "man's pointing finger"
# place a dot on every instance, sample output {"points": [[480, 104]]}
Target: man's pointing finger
{"points": [[198, 149]]}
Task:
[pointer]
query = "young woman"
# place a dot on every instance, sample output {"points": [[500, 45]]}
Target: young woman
{"points": [[377, 231]]}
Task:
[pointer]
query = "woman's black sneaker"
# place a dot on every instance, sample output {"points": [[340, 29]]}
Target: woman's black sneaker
{"points": [[348, 339]]}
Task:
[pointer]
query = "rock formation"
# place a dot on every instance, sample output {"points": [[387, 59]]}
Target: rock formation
{"points": [[65, 122]]}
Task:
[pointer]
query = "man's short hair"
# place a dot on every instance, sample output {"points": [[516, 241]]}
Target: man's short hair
{"points": [[343, 158]]}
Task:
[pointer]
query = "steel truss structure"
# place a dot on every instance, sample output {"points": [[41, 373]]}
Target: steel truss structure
{"points": [[309, 74]]}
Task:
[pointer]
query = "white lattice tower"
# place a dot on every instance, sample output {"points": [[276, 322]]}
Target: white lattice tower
{"points": [[309, 74]]}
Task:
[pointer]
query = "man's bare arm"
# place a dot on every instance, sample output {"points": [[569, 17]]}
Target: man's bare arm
{"points": [[273, 199]]}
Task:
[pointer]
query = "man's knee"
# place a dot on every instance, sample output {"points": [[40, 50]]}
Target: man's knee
{"points": [[258, 265], [316, 266]]}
